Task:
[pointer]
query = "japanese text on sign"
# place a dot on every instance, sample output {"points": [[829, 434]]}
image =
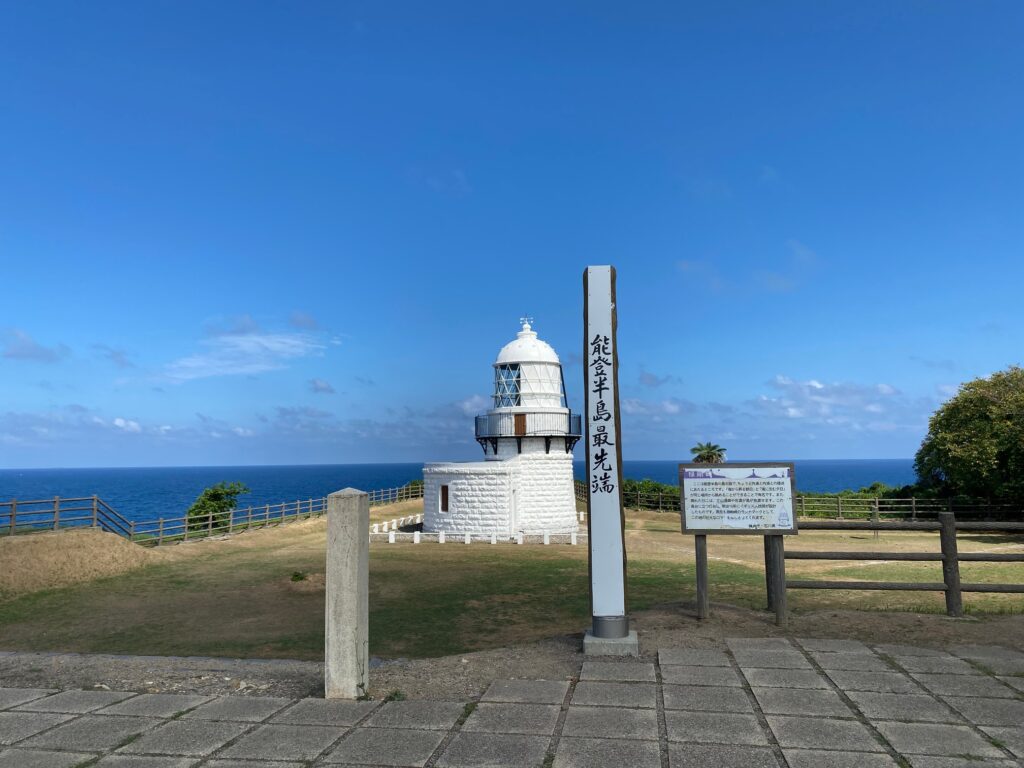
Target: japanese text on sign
{"points": [[736, 498]]}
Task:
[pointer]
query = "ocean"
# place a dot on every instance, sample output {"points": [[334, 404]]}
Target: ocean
{"points": [[150, 493]]}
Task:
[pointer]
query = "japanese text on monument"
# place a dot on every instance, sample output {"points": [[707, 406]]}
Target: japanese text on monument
{"points": [[602, 448]]}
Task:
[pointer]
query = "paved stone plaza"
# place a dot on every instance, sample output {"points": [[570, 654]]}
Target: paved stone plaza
{"points": [[761, 703]]}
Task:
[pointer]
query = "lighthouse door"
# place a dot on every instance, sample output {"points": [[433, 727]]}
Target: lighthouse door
{"points": [[520, 424]]}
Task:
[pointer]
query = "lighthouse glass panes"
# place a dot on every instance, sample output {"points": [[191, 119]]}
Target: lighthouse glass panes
{"points": [[506, 386]]}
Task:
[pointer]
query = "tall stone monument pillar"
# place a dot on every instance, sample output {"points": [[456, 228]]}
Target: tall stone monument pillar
{"points": [[609, 634]]}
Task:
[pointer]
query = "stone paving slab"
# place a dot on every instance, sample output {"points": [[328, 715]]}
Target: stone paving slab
{"points": [[822, 733], [1016, 683], [424, 715], [148, 761], [635, 695], [386, 746], [15, 726], [75, 702], [785, 678], [792, 659], [527, 691], [471, 750], [903, 706], [891, 649], [622, 671], [611, 723], [829, 759], [326, 712], [855, 662], [1011, 738], [1004, 666], [192, 738], [706, 699], [930, 739], [242, 709], [758, 644], [1009, 712], [719, 756], [536, 719], [692, 657], [155, 705], [834, 646], [745, 708], [965, 685], [931, 761], [714, 728], [92, 733], [879, 682], [982, 652], [792, 701], [12, 697], [934, 665], [820, 758], [281, 742], [588, 753], [701, 676], [33, 758]]}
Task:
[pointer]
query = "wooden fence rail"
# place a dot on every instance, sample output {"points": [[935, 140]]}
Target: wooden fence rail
{"points": [[36, 515], [841, 507], [946, 525]]}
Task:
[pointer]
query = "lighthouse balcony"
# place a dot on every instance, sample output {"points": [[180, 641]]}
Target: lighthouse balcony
{"points": [[528, 424], [548, 425]]}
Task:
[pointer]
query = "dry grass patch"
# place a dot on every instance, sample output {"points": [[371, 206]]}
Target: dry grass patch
{"points": [[61, 558]]}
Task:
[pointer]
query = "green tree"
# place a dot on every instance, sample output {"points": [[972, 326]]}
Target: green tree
{"points": [[219, 501], [708, 453], [975, 441]]}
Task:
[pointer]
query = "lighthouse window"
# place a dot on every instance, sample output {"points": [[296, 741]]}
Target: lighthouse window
{"points": [[506, 386]]}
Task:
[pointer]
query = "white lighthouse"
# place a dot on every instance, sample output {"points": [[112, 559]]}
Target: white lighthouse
{"points": [[524, 485]]}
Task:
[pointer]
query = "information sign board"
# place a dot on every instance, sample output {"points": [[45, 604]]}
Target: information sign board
{"points": [[748, 497]]}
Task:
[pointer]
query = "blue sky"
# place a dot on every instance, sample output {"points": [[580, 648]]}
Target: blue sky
{"points": [[240, 233]]}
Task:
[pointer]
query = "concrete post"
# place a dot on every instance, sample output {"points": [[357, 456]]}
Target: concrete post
{"points": [[347, 646], [467, 539], [440, 537], [415, 537], [572, 538], [391, 536]]}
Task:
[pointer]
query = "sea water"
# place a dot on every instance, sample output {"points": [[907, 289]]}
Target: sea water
{"points": [[150, 493]]}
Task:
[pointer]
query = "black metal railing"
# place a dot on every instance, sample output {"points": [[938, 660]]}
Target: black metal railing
{"points": [[529, 424]]}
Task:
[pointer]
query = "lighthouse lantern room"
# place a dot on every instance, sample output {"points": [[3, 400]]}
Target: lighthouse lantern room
{"points": [[524, 485]]}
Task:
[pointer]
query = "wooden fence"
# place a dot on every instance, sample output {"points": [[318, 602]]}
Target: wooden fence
{"points": [[18, 517], [947, 527], [841, 507]]}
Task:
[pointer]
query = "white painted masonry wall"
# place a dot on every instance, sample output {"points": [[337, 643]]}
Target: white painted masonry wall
{"points": [[530, 493]]}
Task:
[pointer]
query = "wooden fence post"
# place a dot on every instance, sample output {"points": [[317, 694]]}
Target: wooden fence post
{"points": [[160, 532], [131, 531], [95, 511], [875, 517], [839, 507], [56, 512], [769, 573], [913, 507], [14, 515], [703, 598], [950, 564], [778, 562]]}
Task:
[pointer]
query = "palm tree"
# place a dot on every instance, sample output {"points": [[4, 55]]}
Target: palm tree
{"points": [[708, 453]]}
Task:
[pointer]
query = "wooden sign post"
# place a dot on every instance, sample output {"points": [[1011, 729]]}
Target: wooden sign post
{"points": [[609, 633], [742, 498]]}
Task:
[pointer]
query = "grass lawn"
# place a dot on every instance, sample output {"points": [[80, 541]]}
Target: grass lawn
{"points": [[237, 597]]}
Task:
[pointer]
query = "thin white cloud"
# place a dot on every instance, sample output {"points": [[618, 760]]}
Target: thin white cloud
{"points": [[243, 354], [19, 345], [320, 387]]}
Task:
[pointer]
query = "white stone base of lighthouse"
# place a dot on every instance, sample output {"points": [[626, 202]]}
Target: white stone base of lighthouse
{"points": [[531, 493]]}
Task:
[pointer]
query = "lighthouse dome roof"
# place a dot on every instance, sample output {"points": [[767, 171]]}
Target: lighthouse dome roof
{"points": [[527, 348]]}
